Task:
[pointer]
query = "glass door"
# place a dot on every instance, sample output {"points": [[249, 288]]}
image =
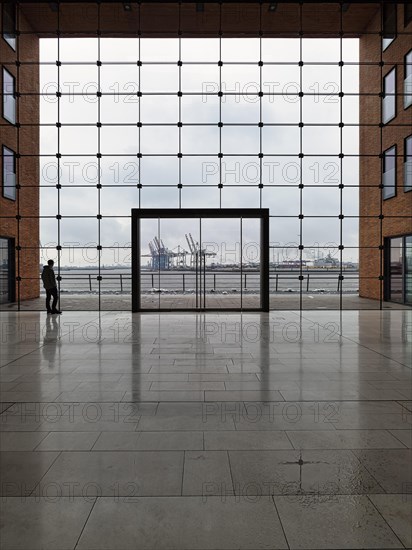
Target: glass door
{"points": [[396, 270], [408, 269], [177, 245], [199, 259], [251, 263]]}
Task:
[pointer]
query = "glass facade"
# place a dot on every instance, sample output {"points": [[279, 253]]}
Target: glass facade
{"points": [[200, 120]]}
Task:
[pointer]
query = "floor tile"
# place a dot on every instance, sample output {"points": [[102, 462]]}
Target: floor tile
{"points": [[404, 436], [189, 386], [118, 473], [340, 521], [396, 510], [116, 441], [89, 396], [207, 473], [392, 469], [390, 421], [68, 441], [344, 439], [149, 441], [21, 471], [184, 422], [43, 523], [247, 395], [190, 523], [176, 395], [170, 441], [4, 406], [20, 441], [244, 440], [292, 420], [292, 472]]}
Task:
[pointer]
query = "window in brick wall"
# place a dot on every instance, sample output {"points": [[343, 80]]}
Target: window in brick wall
{"points": [[407, 83], [389, 173], [9, 100], [389, 23], [9, 174], [407, 12], [407, 165], [389, 96], [9, 23]]}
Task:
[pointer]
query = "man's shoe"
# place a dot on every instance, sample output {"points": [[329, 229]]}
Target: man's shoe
{"points": [[49, 312], [56, 312]]}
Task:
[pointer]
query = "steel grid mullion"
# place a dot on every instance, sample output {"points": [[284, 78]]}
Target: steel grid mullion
{"points": [[58, 155], [139, 125], [260, 109], [180, 118], [381, 264], [220, 105], [260, 160], [241, 263], [341, 164], [300, 156], [99, 215], [16, 163]]}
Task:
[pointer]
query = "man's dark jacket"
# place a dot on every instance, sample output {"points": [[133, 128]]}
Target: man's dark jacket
{"points": [[48, 277]]}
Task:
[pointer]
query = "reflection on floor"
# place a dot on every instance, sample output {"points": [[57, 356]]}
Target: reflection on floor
{"points": [[206, 431], [282, 301]]}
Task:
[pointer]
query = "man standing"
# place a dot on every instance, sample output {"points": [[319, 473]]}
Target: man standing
{"points": [[49, 283]]}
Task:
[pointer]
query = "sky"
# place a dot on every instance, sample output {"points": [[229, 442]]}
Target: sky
{"points": [[121, 170]]}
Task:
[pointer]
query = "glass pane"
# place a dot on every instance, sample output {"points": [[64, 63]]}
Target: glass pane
{"points": [[251, 266], [177, 263], [220, 283], [159, 78], [149, 264], [200, 49], [396, 270]]}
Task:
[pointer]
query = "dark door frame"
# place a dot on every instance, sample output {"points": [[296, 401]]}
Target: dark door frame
{"points": [[387, 268], [11, 272], [154, 213]]}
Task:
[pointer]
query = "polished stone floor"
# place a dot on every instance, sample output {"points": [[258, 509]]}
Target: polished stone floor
{"points": [[206, 431], [283, 301]]}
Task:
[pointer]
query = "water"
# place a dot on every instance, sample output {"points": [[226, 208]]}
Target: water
{"points": [[119, 280]]}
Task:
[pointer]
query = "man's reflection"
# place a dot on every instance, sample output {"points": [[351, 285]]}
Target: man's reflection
{"points": [[50, 339]]}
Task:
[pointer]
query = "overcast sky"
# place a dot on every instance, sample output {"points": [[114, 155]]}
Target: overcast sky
{"points": [[240, 144]]}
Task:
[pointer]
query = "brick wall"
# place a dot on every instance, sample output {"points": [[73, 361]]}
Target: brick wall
{"points": [[23, 140], [397, 211]]}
